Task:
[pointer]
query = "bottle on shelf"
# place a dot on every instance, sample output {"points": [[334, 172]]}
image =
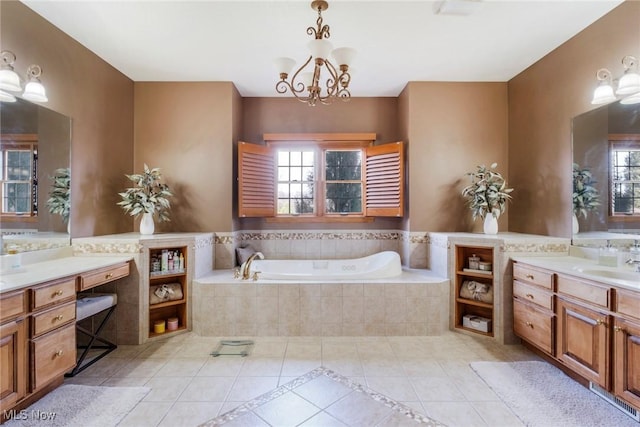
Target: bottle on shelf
{"points": [[165, 260], [181, 261]]}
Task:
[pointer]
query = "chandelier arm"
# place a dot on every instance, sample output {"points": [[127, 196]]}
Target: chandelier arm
{"points": [[298, 84], [332, 80]]}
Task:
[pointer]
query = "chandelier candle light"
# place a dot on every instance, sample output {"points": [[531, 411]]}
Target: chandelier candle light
{"points": [[305, 86]]}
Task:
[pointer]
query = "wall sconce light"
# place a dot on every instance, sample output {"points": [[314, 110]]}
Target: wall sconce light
{"points": [[628, 84], [10, 80]]}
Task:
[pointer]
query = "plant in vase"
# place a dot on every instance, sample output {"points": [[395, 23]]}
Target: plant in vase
{"points": [[585, 195], [487, 196], [59, 201], [148, 197]]}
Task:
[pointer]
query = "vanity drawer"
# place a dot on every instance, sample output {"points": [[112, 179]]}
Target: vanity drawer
{"points": [[534, 325], [52, 293], [628, 303], [13, 305], [533, 275], [100, 277], [533, 294], [46, 321], [52, 355], [586, 291]]}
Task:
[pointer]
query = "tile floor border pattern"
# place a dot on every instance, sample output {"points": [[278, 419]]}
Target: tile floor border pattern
{"points": [[304, 379]]}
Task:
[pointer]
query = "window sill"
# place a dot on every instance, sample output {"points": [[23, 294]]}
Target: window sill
{"points": [[624, 218], [19, 218], [319, 219]]}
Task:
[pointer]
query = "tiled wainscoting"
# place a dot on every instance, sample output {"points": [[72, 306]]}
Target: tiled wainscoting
{"points": [[320, 244], [416, 305]]}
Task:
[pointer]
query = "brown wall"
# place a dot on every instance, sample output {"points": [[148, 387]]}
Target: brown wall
{"points": [[542, 101], [187, 130], [451, 128], [99, 100]]}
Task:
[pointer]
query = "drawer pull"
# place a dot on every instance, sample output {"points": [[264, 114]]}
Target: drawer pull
{"points": [[529, 324], [108, 276], [59, 353], [530, 296], [59, 317], [57, 293], [600, 322], [618, 329], [530, 276]]}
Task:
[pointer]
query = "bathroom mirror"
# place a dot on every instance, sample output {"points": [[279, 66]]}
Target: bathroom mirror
{"points": [[36, 147], [606, 142]]}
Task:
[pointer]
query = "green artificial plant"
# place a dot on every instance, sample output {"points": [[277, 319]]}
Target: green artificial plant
{"points": [[487, 193], [148, 196], [59, 201], [585, 195]]}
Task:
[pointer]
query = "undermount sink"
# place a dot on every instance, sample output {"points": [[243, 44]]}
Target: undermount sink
{"points": [[611, 274]]}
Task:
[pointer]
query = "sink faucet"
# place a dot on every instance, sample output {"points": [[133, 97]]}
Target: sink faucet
{"points": [[632, 261], [246, 267]]}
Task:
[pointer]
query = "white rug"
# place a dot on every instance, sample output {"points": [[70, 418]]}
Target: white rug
{"points": [[542, 395], [72, 405]]}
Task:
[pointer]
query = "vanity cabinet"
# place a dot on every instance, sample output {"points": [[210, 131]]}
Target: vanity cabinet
{"points": [[38, 336], [590, 328], [533, 307], [13, 358], [583, 341], [626, 347]]}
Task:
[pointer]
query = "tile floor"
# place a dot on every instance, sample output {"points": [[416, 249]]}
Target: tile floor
{"points": [[189, 387]]}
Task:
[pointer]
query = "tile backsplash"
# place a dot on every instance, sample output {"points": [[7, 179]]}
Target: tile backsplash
{"points": [[321, 244]]}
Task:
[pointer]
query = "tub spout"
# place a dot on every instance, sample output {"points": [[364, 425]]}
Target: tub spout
{"points": [[246, 267]]}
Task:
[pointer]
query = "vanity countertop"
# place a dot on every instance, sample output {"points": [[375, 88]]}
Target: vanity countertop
{"points": [[622, 277], [44, 271]]}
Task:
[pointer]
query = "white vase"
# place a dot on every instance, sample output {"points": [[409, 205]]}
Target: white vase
{"points": [[575, 225], [491, 223], [146, 224]]}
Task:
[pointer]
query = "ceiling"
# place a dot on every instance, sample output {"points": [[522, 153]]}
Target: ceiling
{"points": [[397, 41]]}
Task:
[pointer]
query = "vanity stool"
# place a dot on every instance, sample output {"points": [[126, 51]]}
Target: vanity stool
{"points": [[89, 305]]}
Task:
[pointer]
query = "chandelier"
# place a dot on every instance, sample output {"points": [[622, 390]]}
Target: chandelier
{"points": [[305, 85]]}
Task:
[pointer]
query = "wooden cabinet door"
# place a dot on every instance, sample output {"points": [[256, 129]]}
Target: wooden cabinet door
{"points": [[13, 374], [583, 341], [626, 381]]}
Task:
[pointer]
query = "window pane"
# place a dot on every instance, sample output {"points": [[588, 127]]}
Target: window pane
{"points": [[343, 165], [283, 173], [296, 174], [344, 198], [283, 158], [17, 197], [283, 191], [296, 158], [625, 164], [295, 182], [308, 158]]}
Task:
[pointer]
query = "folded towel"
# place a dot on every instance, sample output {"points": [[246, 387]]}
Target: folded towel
{"points": [[477, 291]]}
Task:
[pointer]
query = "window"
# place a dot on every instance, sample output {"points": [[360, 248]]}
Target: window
{"points": [[320, 176], [19, 165], [624, 157]]}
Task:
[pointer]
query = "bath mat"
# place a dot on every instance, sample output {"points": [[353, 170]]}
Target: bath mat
{"points": [[73, 405], [335, 401], [542, 395]]}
